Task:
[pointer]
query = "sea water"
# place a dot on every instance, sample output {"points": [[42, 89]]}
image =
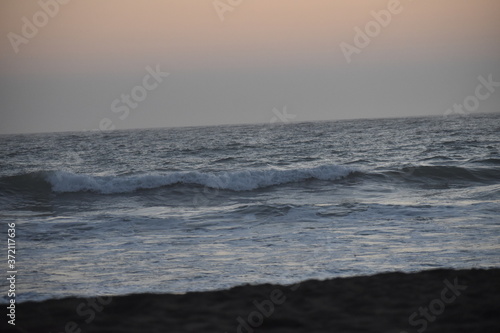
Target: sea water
{"points": [[204, 208]]}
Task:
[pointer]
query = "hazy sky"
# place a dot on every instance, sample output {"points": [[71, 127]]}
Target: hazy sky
{"points": [[82, 64]]}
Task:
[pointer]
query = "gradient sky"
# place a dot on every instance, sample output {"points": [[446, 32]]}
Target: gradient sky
{"points": [[265, 54]]}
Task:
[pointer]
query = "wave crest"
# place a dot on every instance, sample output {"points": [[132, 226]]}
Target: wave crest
{"points": [[245, 180], [455, 173]]}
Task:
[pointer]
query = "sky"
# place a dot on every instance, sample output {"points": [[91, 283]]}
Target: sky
{"points": [[73, 65]]}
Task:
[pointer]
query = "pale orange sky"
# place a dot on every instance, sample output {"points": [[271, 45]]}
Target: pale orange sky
{"points": [[93, 39], [189, 32]]}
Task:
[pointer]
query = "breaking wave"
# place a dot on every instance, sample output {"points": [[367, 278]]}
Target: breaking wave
{"points": [[245, 180], [240, 180]]}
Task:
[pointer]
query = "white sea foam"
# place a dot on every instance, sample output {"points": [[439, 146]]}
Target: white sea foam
{"points": [[244, 180]]}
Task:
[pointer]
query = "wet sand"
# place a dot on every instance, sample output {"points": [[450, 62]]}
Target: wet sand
{"points": [[430, 301]]}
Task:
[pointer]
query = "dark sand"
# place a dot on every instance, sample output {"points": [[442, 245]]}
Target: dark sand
{"points": [[379, 303]]}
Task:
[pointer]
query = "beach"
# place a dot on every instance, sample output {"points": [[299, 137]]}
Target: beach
{"points": [[250, 166], [439, 300]]}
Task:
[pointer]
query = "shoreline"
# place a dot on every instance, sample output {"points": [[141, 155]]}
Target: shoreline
{"points": [[441, 300]]}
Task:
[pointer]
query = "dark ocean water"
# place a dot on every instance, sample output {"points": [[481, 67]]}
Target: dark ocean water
{"points": [[184, 209]]}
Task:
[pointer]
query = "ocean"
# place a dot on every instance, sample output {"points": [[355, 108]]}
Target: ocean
{"points": [[205, 208]]}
